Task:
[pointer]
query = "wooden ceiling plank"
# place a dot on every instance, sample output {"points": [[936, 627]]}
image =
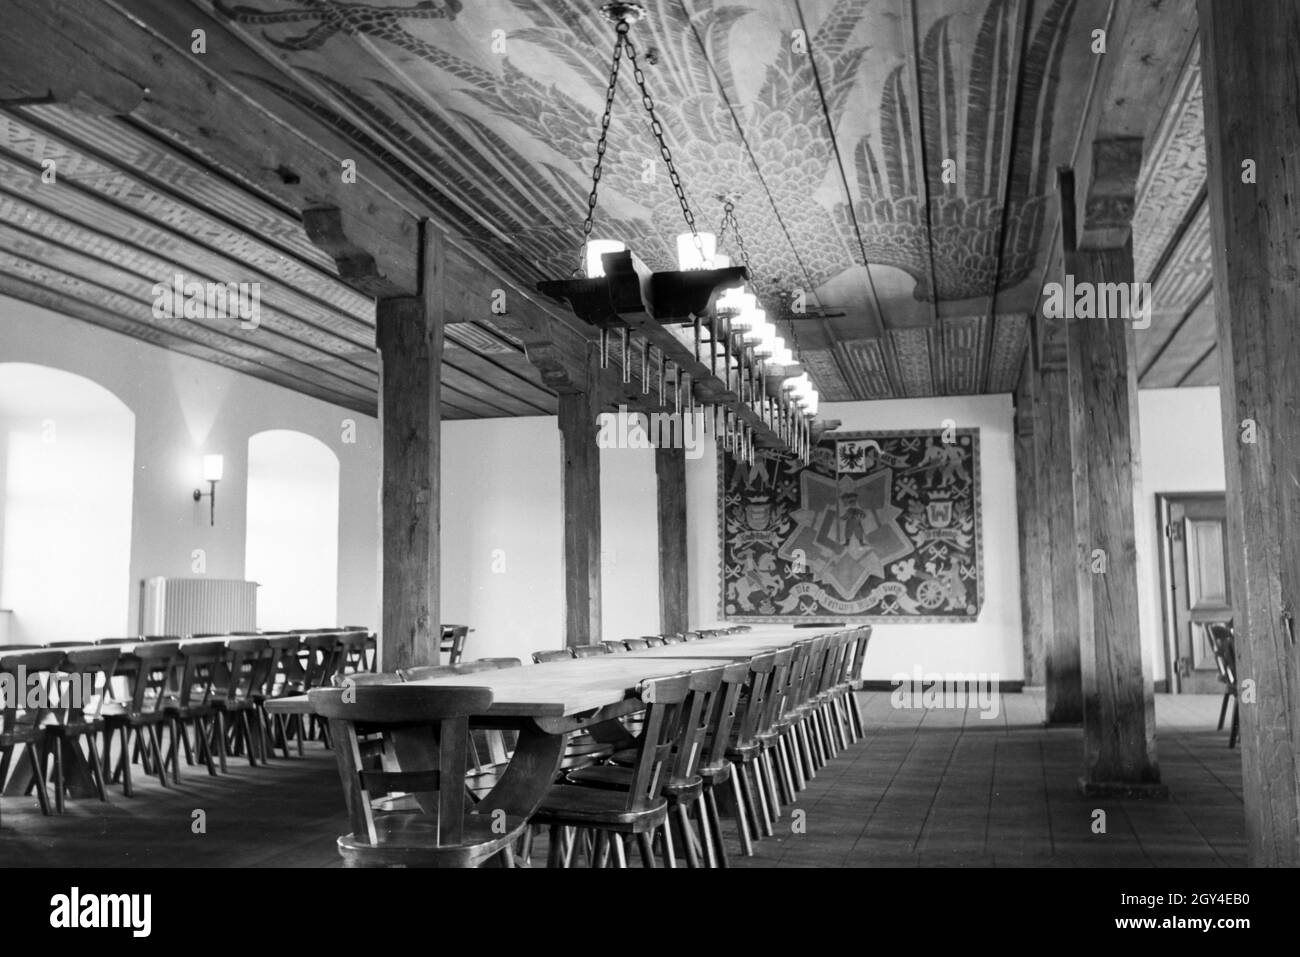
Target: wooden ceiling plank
{"points": [[139, 287], [110, 178], [173, 250], [49, 298], [181, 95], [522, 381], [24, 267]]}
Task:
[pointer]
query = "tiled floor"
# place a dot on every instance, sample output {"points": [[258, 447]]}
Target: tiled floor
{"points": [[948, 788], [935, 788]]}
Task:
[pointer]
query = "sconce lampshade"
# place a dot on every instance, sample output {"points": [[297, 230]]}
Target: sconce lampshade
{"points": [[595, 249], [212, 468]]}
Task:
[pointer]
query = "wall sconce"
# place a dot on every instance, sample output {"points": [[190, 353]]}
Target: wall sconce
{"points": [[212, 468]]}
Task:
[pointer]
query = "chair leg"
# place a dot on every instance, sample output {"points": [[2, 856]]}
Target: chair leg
{"points": [[58, 776], [38, 778], [713, 825], [689, 844], [96, 770], [620, 854], [647, 850], [1232, 735], [553, 856], [128, 788], [706, 830], [155, 745], [670, 852], [1223, 709], [742, 823], [760, 812]]}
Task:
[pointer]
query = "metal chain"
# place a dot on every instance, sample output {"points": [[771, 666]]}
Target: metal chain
{"points": [[621, 39], [729, 219], [657, 129]]}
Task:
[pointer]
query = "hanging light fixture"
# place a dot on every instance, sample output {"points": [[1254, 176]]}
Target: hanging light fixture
{"points": [[710, 341]]}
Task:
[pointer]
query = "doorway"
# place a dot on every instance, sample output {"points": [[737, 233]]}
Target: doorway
{"points": [[1195, 585]]}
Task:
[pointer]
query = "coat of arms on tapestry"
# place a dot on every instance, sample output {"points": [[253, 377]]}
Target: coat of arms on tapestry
{"points": [[879, 526]]}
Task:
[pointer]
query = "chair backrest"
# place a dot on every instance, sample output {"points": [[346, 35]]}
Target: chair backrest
{"points": [[29, 678], [321, 650], [671, 639], [203, 670], [559, 654], [777, 687], [453, 642], [735, 679], [615, 647], [664, 699], [589, 651], [1222, 644], [286, 669], [636, 644], [753, 706], [67, 644], [652, 641], [861, 638], [432, 720], [351, 652], [695, 720], [152, 663], [84, 683], [250, 661]]}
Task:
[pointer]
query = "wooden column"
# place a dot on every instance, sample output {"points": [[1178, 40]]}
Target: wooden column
{"points": [[674, 583], [1030, 527], [1118, 704], [1252, 98], [409, 336], [1055, 469], [580, 491]]}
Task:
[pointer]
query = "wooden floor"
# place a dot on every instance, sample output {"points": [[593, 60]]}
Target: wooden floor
{"points": [[931, 788]]}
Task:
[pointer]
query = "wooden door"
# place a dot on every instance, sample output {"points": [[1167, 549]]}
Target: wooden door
{"points": [[1196, 582]]}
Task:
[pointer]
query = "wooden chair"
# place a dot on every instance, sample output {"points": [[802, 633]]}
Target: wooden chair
{"points": [[285, 680], [83, 686], [21, 726], [248, 664], [453, 642], [683, 786], [424, 719], [745, 752], [190, 704], [559, 654], [1221, 641], [640, 809], [149, 668]]}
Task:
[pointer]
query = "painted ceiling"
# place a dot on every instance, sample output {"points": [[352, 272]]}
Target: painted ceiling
{"points": [[892, 160]]}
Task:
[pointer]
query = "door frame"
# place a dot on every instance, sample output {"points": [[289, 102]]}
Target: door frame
{"points": [[1169, 635]]}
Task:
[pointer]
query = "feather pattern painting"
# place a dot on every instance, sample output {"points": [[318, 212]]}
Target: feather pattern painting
{"points": [[854, 138]]}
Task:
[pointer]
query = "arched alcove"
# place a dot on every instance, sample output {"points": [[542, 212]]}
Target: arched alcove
{"points": [[292, 543], [67, 456]]}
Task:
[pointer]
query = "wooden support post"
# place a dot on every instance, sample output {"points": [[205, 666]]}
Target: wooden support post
{"points": [[580, 490], [1055, 468], [409, 336], [1118, 704], [1033, 550], [674, 583], [1252, 96]]}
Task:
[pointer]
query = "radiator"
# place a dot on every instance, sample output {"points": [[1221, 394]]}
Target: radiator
{"points": [[196, 606]]}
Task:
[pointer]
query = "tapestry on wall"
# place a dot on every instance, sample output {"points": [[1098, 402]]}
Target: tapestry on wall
{"points": [[880, 526]]}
